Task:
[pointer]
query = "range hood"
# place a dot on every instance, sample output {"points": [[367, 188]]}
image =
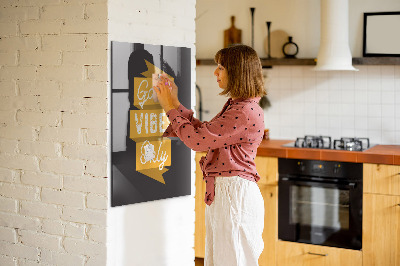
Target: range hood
{"points": [[334, 51]]}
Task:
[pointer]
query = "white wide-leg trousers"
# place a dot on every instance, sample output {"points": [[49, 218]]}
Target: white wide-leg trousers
{"points": [[234, 223]]}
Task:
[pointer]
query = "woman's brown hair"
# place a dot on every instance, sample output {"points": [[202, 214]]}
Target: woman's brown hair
{"points": [[245, 78]]}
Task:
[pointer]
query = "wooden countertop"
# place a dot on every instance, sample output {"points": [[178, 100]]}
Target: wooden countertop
{"points": [[379, 154]]}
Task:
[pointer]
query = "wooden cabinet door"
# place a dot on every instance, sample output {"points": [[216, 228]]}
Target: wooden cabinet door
{"points": [[381, 179], [267, 168], [270, 233], [200, 207], [381, 230], [298, 254]]}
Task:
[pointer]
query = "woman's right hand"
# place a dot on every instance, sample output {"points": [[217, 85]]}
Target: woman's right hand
{"points": [[174, 91]]}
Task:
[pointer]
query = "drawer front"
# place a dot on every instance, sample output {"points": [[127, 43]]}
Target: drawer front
{"points": [[381, 179], [293, 254]]}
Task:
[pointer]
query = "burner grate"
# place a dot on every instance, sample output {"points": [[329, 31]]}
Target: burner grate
{"points": [[320, 142], [351, 144]]}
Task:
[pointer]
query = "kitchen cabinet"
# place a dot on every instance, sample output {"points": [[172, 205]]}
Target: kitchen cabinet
{"points": [[270, 233], [381, 215], [381, 230], [381, 179], [200, 207], [267, 168], [298, 254]]}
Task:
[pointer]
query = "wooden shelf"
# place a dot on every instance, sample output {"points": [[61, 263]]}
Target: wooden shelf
{"points": [[312, 61]]}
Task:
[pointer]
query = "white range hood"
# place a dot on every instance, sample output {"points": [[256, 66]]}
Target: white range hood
{"points": [[334, 51]]}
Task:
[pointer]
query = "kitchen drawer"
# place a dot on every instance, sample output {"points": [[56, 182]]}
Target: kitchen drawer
{"points": [[381, 179], [298, 254]]}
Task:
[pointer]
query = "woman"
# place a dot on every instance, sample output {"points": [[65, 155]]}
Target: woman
{"points": [[235, 207]]}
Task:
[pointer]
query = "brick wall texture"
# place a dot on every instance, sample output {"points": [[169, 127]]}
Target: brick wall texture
{"points": [[53, 138]]}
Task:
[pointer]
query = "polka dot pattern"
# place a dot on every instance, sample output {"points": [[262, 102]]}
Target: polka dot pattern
{"points": [[231, 139]]}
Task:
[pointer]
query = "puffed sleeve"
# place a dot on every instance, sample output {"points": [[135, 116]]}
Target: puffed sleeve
{"points": [[186, 113], [224, 130]]}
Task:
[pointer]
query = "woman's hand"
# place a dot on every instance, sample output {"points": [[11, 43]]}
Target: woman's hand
{"points": [[163, 91], [174, 91]]}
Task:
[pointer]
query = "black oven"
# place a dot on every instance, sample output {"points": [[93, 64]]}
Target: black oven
{"points": [[320, 202]]}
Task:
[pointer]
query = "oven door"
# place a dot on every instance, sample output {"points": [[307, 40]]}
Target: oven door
{"points": [[321, 212]]}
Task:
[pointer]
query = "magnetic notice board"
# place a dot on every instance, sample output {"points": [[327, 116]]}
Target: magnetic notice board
{"points": [[145, 166]]}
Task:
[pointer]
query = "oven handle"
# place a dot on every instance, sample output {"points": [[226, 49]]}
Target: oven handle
{"points": [[297, 181]]}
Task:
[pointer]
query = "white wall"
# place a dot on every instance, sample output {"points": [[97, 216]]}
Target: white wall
{"points": [[299, 18], [158, 232], [338, 104]]}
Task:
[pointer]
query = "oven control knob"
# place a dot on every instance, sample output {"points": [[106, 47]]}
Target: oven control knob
{"points": [[302, 167], [336, 169]]}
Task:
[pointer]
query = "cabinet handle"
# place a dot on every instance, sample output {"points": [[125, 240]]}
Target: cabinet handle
{"points": [[398, 204], [318, 254]]}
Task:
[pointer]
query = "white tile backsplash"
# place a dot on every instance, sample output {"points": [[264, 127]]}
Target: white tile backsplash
{"points": [[364, 103]]}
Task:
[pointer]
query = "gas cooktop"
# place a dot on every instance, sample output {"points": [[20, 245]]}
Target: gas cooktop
{"points": [[325, 142]]}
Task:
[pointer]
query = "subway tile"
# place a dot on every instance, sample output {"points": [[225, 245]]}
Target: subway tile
{"points": [[322, 109], [388, 84], [397, 133], [388, 124], [322, 74], [374, 110], [310, 95], [310, 108], [374, 84], [322, 121], [397, 123], [349, 132], [335, 122], [361, 110], [361, 97], [373, 70], [388, 97], [334, 109], [388, 110], [347, 122], [285, 72], [308, 72], [335, 95], [387, 72], [284, 83], [374, 97], [334, 81], [322, 95], [360, 124], [321, 83], [375, 136], [397, 72], [374, 123], [297, 83], [347, 109], [388, 137], [348, 96], [360, 133]]}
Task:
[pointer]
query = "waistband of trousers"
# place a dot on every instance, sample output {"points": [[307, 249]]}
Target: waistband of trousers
{"points": [[228, 179]]}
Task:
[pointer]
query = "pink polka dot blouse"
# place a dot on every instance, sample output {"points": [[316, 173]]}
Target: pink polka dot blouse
{"points": [[231, 139]]}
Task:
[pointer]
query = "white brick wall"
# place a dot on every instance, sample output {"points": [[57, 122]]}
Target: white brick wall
{"points": [[53, 120], [157, 232]]}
